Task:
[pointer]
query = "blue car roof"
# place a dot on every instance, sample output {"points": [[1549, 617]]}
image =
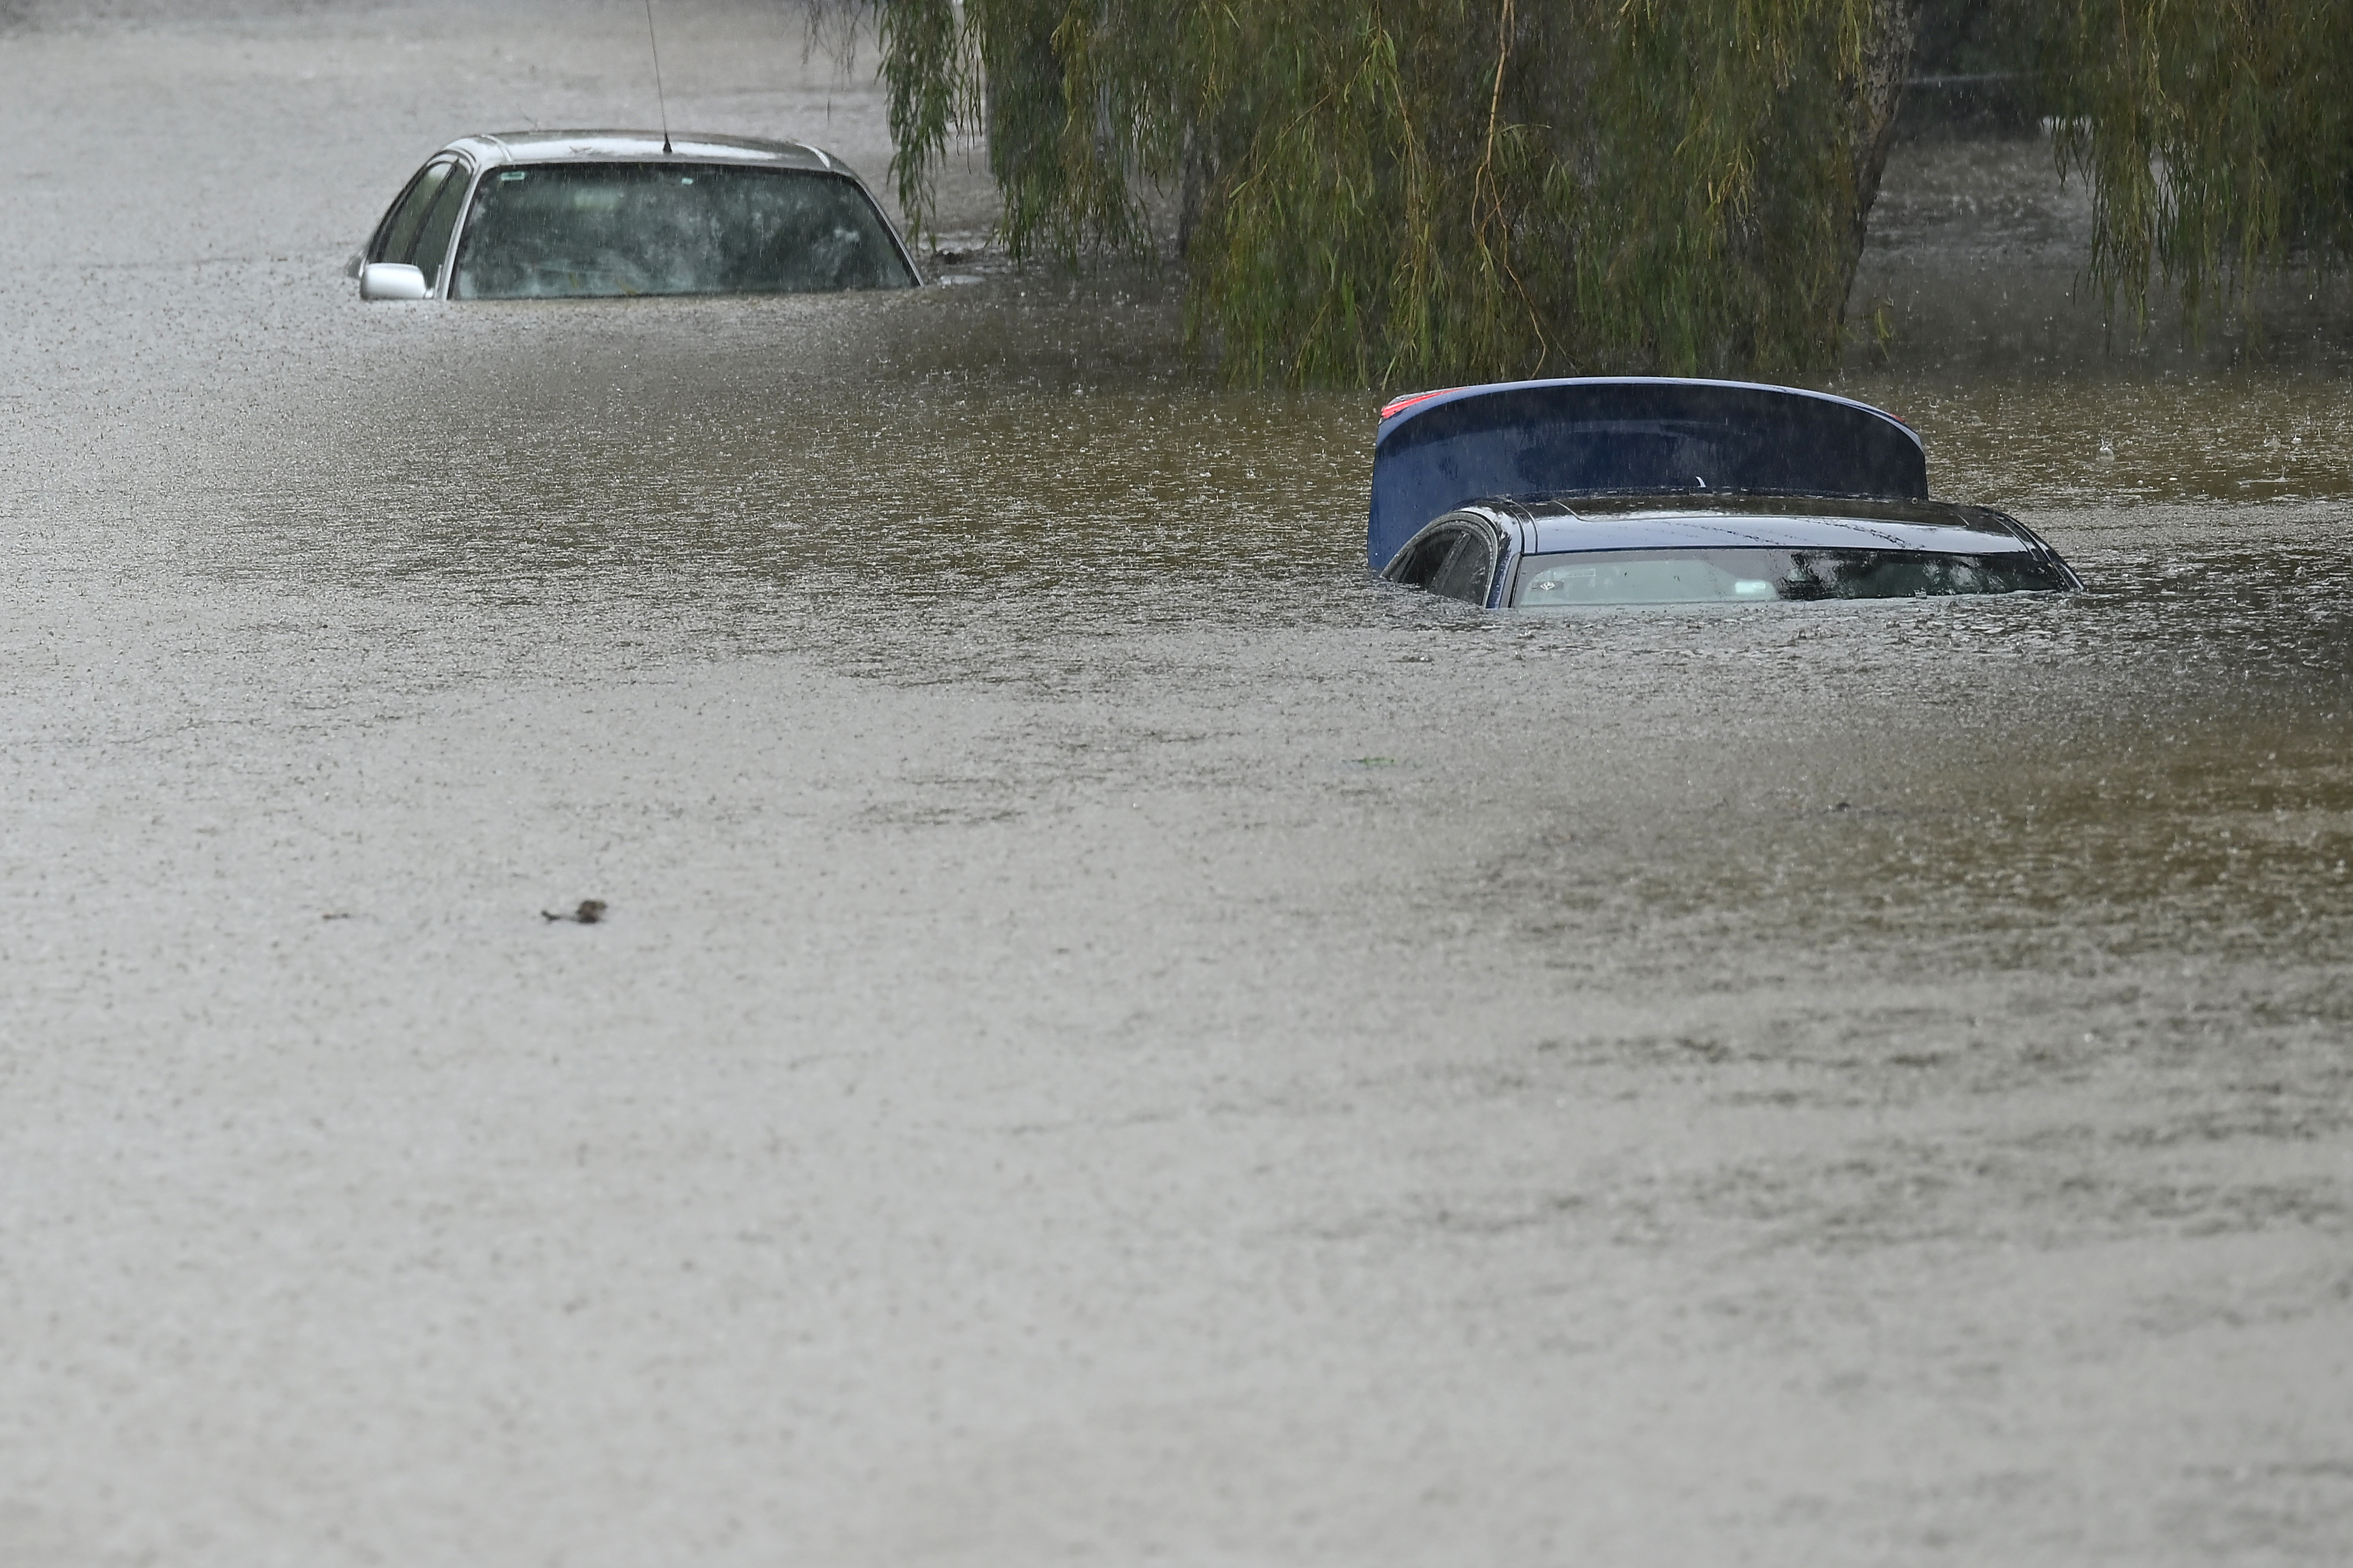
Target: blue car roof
{"points": [[1629, 433]]}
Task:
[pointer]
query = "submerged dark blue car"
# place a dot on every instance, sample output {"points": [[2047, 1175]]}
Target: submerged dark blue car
{"points": [[1538, 495]]}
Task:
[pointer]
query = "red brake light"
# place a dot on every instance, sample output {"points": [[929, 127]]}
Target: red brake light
{"points": [[1397, 405]]}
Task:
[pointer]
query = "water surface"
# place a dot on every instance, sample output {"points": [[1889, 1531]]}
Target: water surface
{"points": [[1114, 1034]]}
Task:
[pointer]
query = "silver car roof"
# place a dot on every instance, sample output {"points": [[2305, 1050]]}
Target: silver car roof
{"points": [[490, 148]]}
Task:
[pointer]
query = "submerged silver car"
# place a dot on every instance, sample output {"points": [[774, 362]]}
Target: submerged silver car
{"points": [[601, 214], [1567, 553]]}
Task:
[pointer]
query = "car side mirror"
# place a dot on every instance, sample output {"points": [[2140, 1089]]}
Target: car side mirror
{"points": [[392, 281]]}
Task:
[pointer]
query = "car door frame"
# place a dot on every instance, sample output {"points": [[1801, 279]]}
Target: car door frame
{"points": [[465, 168], [1505, 526], [472, 171]]}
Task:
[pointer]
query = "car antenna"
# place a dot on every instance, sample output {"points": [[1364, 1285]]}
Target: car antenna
{"points": [[659, 103]]}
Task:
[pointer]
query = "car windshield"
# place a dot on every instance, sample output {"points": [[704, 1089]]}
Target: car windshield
{"points": [[1737, 576], [571, 230]]}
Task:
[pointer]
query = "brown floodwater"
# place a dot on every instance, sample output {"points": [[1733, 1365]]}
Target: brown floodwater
{"points": [[1114, 1036]]}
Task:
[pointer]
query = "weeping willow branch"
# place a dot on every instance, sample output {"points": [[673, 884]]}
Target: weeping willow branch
{"points": [[2217, 139], [1418, 190]]}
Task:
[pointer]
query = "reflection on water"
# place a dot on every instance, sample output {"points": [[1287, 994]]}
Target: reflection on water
{"points": [[2252, 435], [982, 435], [961, 453], [1040, 446], [984, 483]]}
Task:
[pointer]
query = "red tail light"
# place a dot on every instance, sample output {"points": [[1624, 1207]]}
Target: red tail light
{"points": [[1397, 405]]}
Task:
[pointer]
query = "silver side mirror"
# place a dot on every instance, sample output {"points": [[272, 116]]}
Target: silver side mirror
{"points": [[391, 280]]}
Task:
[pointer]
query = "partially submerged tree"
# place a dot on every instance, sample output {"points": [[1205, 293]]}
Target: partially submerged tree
{"points": [[1409, 190], [1415, 190]]}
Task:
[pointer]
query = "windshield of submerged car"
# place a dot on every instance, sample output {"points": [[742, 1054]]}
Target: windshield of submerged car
{"points": [[575, 230], [1755, 576]]}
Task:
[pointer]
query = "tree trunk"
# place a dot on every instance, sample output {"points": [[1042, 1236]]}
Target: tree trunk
{"points": [[1879, 93]]}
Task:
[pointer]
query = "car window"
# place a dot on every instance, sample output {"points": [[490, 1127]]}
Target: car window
{"points": [[432, 247], [1421, 558], [395, 238], [559, 231], [1452, 557], [1699, 576], [1469, 569]]}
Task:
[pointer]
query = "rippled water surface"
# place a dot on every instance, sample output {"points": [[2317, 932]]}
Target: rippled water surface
{"points": [[1114, 1036]]}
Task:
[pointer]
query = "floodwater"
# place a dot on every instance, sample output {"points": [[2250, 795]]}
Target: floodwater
{"points": [[1112, 1037]]}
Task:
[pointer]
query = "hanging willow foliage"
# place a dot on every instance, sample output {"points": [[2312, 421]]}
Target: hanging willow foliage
{"points": [[2217, 138], [1394, 190]]}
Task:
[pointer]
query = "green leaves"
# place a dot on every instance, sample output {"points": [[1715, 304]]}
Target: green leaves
{"points": [[1427, 191], [2217, 138], [930, 85], [1422, 191]]}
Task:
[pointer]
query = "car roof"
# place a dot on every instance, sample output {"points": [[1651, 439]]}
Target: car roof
{"points": [[504, 147], [1731, 521]]}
